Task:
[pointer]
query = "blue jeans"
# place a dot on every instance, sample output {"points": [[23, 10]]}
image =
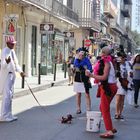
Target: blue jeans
{"points": [[136, 90]]}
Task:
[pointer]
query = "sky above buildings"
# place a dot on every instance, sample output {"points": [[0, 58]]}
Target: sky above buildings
{"points": [[136, 15]]}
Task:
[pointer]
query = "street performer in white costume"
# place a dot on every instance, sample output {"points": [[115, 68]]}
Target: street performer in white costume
{"points": [[9, 67]]}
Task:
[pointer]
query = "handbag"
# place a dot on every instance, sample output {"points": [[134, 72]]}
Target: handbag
{"points": [[124, 82]]}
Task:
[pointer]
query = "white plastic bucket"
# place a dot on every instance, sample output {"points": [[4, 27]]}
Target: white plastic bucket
{"points": [[93, 121]]}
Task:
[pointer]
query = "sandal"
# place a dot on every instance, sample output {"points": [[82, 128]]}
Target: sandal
{"points": [[117, 116], [121, 117], [78, 112], [107, 136], [114, 130]]}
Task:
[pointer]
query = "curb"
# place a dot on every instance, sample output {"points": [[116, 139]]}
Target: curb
{"points": [[24, 92]]}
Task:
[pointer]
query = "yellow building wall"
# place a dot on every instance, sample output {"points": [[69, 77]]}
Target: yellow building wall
{"points": [[7, 9], [1, 21]]}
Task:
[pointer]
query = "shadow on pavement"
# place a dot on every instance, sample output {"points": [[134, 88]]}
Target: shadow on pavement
{"points": [[35, 124]]}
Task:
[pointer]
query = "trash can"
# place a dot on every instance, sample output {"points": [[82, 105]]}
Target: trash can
{"points": [[93, 121]]}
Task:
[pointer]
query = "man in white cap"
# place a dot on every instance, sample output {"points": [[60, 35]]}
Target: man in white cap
{"points": [[9, 67]]}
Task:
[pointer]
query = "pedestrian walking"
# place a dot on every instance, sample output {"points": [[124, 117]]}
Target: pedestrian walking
{"points": [[136, 79], [107, 89], [70, 67], [9, 67], [124, 83], [81, 81]]}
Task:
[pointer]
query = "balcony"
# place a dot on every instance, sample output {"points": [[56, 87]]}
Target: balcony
{"points": [[45, 4], [89, 23], [125, 13], [104, 20], [116, 27], [64, 11], [106, 37], [127, 2], [110, 9], [53, 7]]}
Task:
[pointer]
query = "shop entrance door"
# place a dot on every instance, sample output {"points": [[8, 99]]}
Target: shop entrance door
{"points": [[46, 54], [33, 50]]}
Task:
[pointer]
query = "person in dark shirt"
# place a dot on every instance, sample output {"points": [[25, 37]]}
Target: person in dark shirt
{"points": [[81, 81]]}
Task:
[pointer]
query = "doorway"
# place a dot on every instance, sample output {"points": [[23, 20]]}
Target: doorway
{"points": [[33, 50]]}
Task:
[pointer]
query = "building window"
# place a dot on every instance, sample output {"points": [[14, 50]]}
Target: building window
{"points": [[70, 4]]}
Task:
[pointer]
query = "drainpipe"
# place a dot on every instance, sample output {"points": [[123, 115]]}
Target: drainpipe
{"points": [[24, 44], [25, 28]]}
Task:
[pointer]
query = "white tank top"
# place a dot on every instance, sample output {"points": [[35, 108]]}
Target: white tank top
{"points": [[111, 76]]}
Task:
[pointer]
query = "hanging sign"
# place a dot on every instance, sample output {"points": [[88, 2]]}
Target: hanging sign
{"points": [[47, 28], [68, 34]]}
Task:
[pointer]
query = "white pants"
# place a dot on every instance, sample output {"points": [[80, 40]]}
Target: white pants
{"points": [[6, 108]]}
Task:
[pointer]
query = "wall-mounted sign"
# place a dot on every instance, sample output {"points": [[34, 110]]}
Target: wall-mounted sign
{"points": [[10, 23], [69, 34], [72, 42], [47, 28]]}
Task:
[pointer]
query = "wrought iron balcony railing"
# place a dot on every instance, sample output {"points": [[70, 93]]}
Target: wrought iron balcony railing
{"points": [[115, 26], [109, 9], [128, 2], [62, 10], [125, 13], [54, 7], [126, 10], [89, 23], [104, 18]]}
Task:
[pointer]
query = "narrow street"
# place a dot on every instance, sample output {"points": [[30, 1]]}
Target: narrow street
{"points": [[36, 124], [48, 43]]}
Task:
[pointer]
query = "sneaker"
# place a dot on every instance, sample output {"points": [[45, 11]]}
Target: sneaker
{"points": [[13, 118], [136, 105]]}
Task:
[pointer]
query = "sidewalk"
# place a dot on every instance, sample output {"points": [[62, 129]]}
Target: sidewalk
{"points": [[46, 82]]}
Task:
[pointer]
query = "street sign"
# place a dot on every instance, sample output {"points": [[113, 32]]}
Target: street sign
{"points": [[47, 28], [87, 43]]}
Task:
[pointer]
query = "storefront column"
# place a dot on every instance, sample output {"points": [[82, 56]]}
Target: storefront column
{"points": [[28, 50]]}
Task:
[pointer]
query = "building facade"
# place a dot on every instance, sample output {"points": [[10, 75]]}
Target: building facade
{"points": [[47, 30], [88, 11], [39, 29], [136, 16]]}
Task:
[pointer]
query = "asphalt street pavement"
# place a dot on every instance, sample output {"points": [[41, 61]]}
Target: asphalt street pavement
{"points": [[43, 122]]}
